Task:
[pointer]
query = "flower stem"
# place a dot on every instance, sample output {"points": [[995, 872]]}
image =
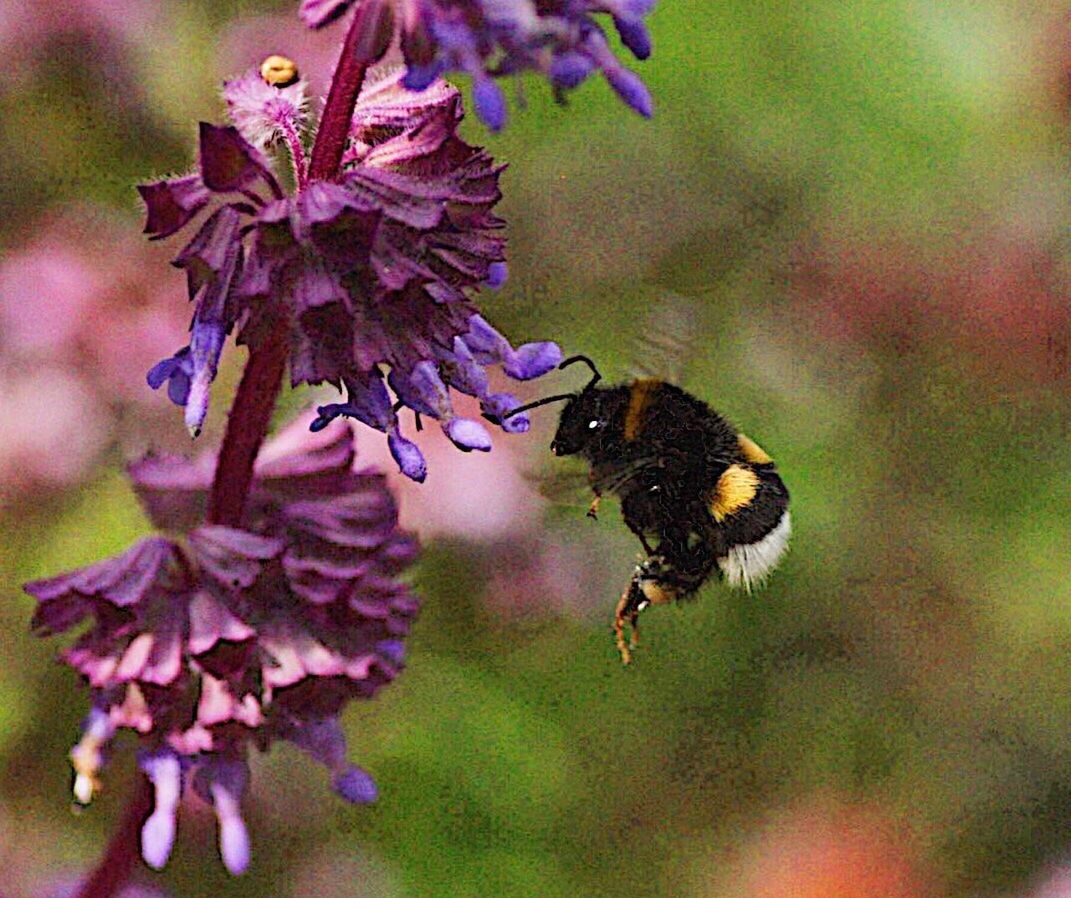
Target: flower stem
{"points": [[297, 153], [341, 98], [121, 855], [247, 427]]}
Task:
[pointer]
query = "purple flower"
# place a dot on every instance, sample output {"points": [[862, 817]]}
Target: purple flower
{"points": [[229, 638], [369, 274], [559, 38]]}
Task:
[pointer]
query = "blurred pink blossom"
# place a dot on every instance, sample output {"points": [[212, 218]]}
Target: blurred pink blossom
{"points": [[474, 496], [998, 298], [85, 309], [46, 435], [827, 849], [1056, 884], [25, 27]]}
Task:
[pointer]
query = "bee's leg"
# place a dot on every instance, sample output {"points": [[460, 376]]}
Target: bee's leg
{"points": [[593, 509], [638, 530], [628, 609], [620, 618]]}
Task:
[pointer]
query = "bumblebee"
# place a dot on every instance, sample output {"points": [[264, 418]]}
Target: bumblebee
{"points": [[702, 498]]}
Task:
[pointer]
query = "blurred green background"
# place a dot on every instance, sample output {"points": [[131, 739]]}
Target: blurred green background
{"points": [[869, 203]]}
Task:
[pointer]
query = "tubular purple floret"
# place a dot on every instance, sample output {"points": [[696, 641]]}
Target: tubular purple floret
{"points": [[550, 37]]}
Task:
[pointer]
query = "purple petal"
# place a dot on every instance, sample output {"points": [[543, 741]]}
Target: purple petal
{"points": [[497, 274], [176, 371], [463, 372], [634, 35], [206, 344], [423, 390], [631, 89], [315, 286], [498, 405], [158, 831], [409, 458], [337, 223], [392, 649], [169, 205], [233, 557], [489, 101], [124, 580], [532, 360], [570, 69], [228, 162], [355, 785], [468, 435], [213, 250], [222, 782], [420, 77], [487, 344], [317, 13], [367, 400]]}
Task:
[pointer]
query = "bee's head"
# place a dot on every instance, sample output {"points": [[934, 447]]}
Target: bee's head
{"points": [[583, 422], [583, 417]]}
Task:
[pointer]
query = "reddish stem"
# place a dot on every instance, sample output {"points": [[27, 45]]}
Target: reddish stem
{"points": [[246, 429], [121, 855], [335, 122]]}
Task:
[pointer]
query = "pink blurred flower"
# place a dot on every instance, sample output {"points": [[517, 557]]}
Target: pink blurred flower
{"points": [[45, 434], [85, 308], [826, 849], [1056, 884], [476, 497], [25, 27], [999, 298]]}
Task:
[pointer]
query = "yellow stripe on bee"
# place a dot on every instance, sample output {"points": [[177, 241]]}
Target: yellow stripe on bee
{"points": [[640, 397], [752, 451], [735, 489], [658, 593]]}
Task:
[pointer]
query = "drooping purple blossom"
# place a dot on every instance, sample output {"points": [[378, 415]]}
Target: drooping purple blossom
{"points": [[228, 638], [372, 274], [562, 39]]}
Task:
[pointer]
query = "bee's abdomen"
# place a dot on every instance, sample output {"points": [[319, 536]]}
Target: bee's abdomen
{"points": [[749, 504], [753, 453]]}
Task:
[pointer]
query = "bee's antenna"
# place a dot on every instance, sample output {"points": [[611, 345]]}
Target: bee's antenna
{"points": [[531, 405], [583, 358], [558, 398]]}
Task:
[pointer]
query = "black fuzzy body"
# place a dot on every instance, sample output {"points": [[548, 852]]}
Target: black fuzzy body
{"points": [[663, 452]]}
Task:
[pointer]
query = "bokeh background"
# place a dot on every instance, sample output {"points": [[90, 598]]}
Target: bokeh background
{"points": [[868, 204]]}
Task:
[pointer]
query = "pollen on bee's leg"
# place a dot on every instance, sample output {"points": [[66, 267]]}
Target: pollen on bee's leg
{"points": [[593, 508], [621, 616]]}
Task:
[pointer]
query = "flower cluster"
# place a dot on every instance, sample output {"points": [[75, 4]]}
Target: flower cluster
{"points": [[231, 637], [368, 272], [559, 38]]}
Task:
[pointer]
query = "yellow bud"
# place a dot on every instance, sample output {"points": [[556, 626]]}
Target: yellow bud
{"points": [[278, 71]]}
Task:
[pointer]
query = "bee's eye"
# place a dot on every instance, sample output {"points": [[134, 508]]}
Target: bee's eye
{"points": [[592, 424]]}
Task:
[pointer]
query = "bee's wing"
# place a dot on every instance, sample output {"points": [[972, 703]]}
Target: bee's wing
{"points": [[563, 484], [668, 338]]}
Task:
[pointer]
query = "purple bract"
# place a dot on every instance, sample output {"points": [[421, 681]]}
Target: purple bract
{"points": [[369, 274], [221, 638]]}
